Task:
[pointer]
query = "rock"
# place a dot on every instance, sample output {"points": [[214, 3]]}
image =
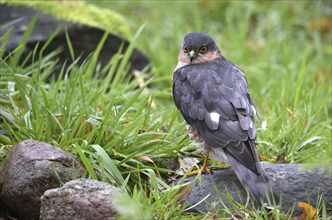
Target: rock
{"points": [[79, 199], [29, 170], [84, 39], [295, 182]]}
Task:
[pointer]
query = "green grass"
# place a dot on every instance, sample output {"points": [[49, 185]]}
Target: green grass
{"points": [[123, 132]]}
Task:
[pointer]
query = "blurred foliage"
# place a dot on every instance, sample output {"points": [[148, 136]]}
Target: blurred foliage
{"points": [[283, 47], [81, 12]]}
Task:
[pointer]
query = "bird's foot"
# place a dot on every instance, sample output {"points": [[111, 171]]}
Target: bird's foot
{"points": [[203, 168], [199, 171]]}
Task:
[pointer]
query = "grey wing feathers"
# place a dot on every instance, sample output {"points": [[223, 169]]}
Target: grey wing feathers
{"points": [[220, 87]]}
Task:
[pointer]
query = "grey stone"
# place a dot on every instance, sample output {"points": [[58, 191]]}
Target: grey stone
{"points": [[79, 199], [29, 170], [294, 182]]}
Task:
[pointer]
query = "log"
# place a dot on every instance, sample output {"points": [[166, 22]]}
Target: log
{"points": [[294, 182], [84, 39]]}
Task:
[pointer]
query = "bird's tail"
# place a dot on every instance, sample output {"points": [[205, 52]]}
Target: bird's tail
{"points": [[259, 186]]}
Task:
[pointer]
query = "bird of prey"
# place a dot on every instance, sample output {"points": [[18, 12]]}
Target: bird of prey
{"points": [[213, 97]]}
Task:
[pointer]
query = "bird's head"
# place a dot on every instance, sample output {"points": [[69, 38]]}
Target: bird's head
{"points": [[197, 48]]}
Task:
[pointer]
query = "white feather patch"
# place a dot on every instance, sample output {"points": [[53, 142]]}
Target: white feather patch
{"points": [[215, 118]]}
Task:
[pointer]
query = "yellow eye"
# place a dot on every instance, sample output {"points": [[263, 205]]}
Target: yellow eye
{"points": [[185, 49], [203, 49]]}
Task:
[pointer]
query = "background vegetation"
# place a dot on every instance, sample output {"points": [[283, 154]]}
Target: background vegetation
{"points": [[123, 131]]}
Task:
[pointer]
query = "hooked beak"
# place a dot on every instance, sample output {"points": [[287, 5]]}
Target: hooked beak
{"points": [[192, 55]]}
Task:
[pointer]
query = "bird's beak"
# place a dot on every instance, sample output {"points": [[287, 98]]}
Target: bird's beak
{"points": [[192, 55]]}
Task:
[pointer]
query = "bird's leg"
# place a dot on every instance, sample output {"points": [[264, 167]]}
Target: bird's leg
{"points": [[203, 168]]}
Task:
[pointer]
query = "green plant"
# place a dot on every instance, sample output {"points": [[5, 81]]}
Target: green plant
{"points": [[122, 130]]}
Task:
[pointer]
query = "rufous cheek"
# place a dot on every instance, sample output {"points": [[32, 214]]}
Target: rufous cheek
{"points": [[211, 55], [183, 58]]}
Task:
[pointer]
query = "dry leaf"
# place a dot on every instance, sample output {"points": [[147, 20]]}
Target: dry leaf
{"points": [[214, 217], [100, 106], [146, 158], [309, 212], [323, 25], [185, 164], [186, 194], [280, 159], [237, 215]]}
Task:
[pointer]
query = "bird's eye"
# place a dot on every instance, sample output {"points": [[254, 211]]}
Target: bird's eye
{"points": [[185, 49], [203, 49]]}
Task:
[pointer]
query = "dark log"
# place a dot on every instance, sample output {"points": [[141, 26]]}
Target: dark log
{"points": [[294, 182], [84, 38]]}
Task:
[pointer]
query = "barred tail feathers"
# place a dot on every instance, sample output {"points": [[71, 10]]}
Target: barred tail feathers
{"points": [[259, 185]]}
